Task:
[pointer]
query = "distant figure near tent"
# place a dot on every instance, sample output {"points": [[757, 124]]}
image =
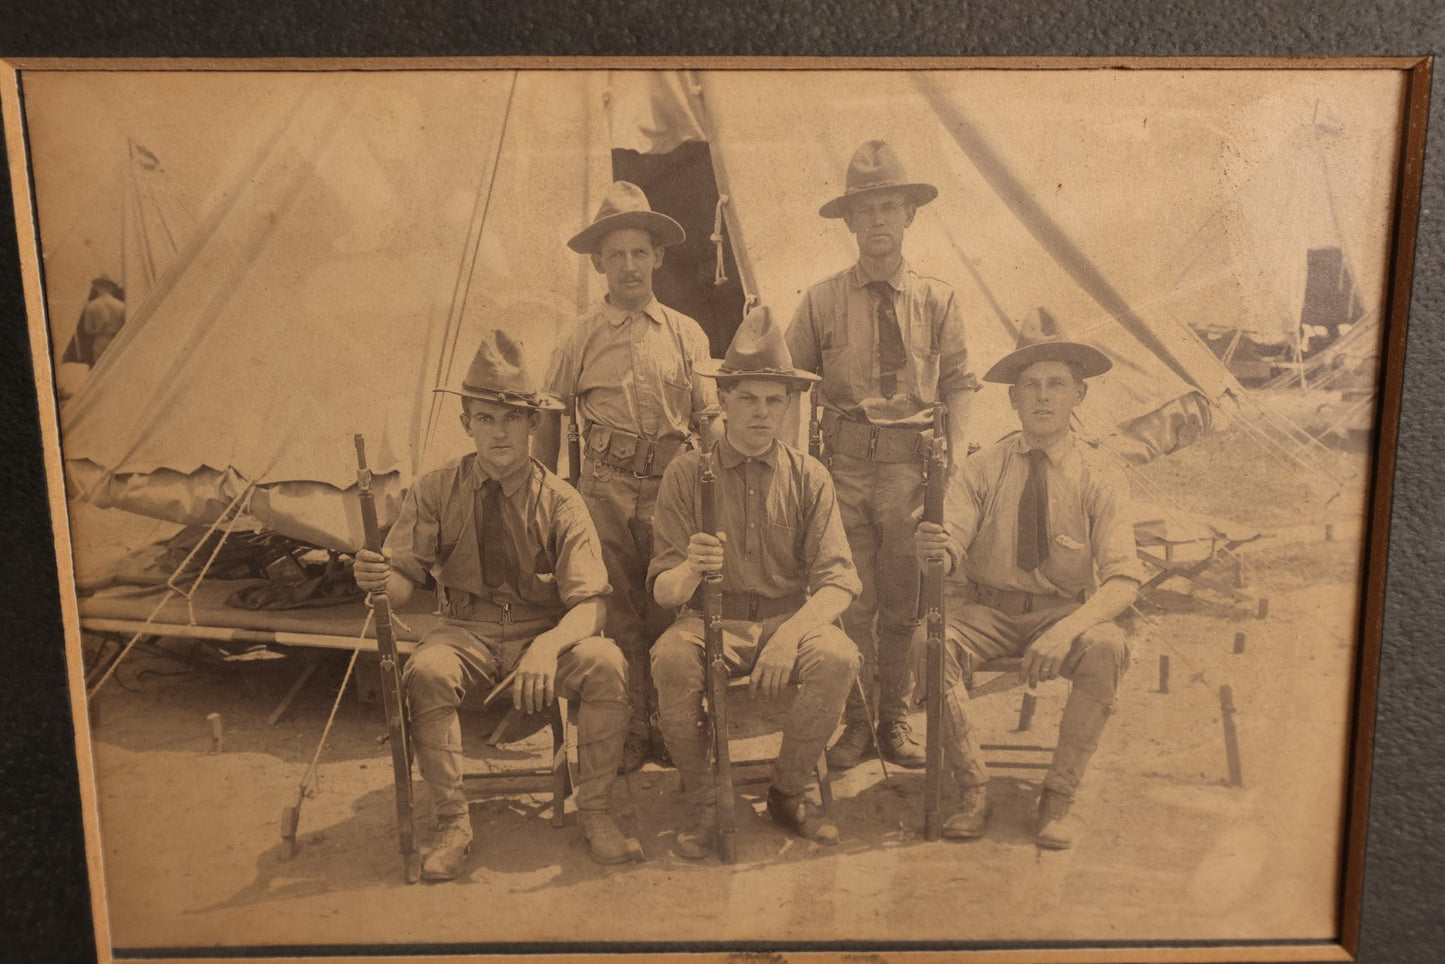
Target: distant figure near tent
{"points": [[100, 321]]}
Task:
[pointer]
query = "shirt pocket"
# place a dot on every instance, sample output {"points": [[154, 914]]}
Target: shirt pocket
{"points": [[780, 554], [925, 369], [538, 584], [676, 403], [842, 369]]}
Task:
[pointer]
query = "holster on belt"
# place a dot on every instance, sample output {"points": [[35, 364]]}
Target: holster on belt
{"points": [[643, 457], [876, 443]]}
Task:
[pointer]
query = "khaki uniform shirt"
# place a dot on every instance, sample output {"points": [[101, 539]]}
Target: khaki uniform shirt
{"points": [[557, 553], [1090, 525], [634, 370], [784, 535], [835, 334]]}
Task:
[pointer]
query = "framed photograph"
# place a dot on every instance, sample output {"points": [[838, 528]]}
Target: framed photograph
{"points": [[1057, 404]]}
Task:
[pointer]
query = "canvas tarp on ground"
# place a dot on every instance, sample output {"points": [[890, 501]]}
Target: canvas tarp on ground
{"points": [[372, 236]]}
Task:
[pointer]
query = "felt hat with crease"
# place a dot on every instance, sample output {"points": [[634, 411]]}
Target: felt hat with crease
{"points": [[625, 206], [498, 373], [875, 167], [1041, 340], [757, 351]]}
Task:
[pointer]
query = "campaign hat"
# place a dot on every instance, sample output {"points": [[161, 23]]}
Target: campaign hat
{"points": [[875, 167], [757, 351], [499, 373], [1041, 340], [626, 206]]}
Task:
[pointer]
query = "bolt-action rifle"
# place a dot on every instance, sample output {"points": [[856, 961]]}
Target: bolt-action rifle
{"points": [[935, 478], [717, 673], [390, 681]]}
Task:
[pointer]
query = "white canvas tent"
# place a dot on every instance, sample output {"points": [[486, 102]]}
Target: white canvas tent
{"points": [[369, 239]]}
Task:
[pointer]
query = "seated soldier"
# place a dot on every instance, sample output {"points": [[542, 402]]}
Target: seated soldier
{"points": [[1039, 529], [787, 576], [520, 581]]}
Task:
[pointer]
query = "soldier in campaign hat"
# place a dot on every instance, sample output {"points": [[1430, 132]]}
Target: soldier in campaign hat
{"points": [[514, 559], [628, 372], [1039, 539], [787, 576], [889, 344]]}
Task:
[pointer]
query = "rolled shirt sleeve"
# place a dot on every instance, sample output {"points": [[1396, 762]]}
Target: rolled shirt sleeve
{"points": [[581, 574], [414, 542], [1111, 511], [825, 540], [673, 518]]}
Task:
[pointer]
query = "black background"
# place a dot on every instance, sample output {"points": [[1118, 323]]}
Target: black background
{"points": [[44, 903]]}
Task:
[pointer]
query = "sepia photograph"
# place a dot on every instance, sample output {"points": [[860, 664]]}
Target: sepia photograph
{"points": [[524, 508]]}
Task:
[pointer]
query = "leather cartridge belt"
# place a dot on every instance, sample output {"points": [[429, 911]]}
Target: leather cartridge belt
{"points": [[1017, 602], [752, 608], [876, 443], [460, 604], [643, 457]]}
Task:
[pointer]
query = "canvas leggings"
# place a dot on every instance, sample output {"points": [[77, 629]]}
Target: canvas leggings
{"points": [[877, 501], [823, 670], [1094, 666], [455, 658], [622, 507]]}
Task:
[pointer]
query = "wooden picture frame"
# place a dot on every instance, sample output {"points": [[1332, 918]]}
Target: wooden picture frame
{"points": [[1395, 272]]}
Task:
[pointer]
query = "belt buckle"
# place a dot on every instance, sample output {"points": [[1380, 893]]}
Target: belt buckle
{"points": [[872, 442], [506, 613]]}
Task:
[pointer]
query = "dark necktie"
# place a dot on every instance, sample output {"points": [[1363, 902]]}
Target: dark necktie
{"points": [[892, 356], [492, 536], [1033, 535]]}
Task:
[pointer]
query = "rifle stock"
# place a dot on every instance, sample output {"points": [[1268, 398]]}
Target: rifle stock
{"points": [[390, 681], [717, 674], [931, 600]]}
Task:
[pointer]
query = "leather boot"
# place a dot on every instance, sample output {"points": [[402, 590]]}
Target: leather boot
{"points": [[897, 745], [800, 815], [605, 841], [601, 729], [1083, 722], [853, 747], [698, 840], [447, 856], [967, 821], [1057, 827]]}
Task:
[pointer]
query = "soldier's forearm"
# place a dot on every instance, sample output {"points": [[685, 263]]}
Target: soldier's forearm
{"points": [[822, 608], [1112, 598], [959, 404], [675, 586], [398, 589], [581, 621]]}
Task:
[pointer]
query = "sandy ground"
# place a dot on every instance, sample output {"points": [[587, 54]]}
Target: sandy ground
{"points": [[193, 857]]}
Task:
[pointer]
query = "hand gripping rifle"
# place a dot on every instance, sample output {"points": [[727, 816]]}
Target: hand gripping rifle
{"points": [[390, 681], [717, 674], [935, 479]]}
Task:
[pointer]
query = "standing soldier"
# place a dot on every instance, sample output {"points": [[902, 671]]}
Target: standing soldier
{"points": [[889, 343], [521, 585], [628, 370]]}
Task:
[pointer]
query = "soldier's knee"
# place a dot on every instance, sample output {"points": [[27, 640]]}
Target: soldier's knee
{"points": [[598, 654], [1104, 659], [675, 657], [431, 678], [837, 655]]}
